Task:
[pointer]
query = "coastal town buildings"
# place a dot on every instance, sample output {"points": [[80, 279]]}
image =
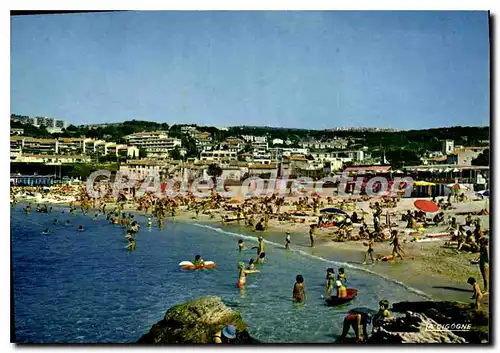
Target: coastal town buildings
{"points": [[157, 144], [23, 145]]}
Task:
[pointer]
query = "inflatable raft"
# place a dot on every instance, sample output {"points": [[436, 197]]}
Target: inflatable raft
{"points": [[335, 301], [188, 265]]}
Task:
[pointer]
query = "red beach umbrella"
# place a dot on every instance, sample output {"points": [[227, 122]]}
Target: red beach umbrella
{"points": [[426, 206]]}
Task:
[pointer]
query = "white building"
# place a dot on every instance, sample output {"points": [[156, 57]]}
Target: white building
{"points": [[448, 147], [218, 156], [260, 139], [295, 151], [156, 144], [140, 169], [248, 138], [259, 147], [278, 141]]}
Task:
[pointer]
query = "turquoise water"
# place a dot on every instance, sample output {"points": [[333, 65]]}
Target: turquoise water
{"points": [[85, 287]]}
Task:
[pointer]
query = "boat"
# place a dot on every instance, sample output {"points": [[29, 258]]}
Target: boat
{"points": [[335, 301]]}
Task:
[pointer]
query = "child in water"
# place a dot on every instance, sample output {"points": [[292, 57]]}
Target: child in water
{"points": [[241, 244], [260, 259], [299, 294], [251, 265], [80, 228], [242, 280], [341, 276], [382, 312], [330, 279], [46, 231], [198, 261], [54, 222], [341, 290]]}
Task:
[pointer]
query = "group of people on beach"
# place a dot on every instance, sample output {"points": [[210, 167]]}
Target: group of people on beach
{"points": [[257, 213]]}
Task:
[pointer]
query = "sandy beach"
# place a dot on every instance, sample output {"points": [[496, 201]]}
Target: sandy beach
{"points": [[431, 267]]}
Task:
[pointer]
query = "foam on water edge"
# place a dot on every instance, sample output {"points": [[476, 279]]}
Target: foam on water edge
{"points": [[306, 254]]}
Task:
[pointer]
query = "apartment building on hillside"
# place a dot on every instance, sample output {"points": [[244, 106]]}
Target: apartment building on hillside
{"points": [[156, 144]]}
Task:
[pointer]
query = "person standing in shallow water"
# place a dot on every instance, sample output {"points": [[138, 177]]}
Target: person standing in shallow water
{"points": [[287, 241], [311, 236], [299, 294]]}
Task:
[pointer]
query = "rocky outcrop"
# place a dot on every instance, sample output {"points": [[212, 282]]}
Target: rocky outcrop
{"points": [[412, 328], [452, 313], [196, 321]]}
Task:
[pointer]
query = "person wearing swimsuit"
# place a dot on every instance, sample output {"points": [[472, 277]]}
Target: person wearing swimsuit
{"points": [[299, 294], [243, 275]]}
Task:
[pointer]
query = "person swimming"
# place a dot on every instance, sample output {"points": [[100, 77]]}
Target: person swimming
{"points": [[150, 222], [198, 261], [54, 222], [241, 244], [95, 217], [46, 231], [68, 222], [299, 294], [80, 228], [251, 265]]}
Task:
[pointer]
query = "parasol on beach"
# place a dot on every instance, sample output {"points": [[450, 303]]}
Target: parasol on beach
{"points": [[426, 206], [333, 210]]}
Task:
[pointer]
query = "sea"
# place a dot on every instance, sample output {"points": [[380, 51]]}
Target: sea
{"points": [[86, 287]]}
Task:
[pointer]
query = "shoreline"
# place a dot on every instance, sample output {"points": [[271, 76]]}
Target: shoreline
{"points": [[438, 272]]}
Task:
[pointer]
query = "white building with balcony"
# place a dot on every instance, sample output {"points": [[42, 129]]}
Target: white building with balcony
{"points": [[156, 144]]}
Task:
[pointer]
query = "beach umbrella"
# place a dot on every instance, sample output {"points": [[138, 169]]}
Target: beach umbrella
{"points": [[426, 206], [458, 186], [398, 171], [333, 210], [456, 170]]}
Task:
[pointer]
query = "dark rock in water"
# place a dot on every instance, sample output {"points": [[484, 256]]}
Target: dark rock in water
{"points": [[197, 321], [413, 328], [452, 314]]}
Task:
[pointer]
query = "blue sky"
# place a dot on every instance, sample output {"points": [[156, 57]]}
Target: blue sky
{"points": [[294, 69]]}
